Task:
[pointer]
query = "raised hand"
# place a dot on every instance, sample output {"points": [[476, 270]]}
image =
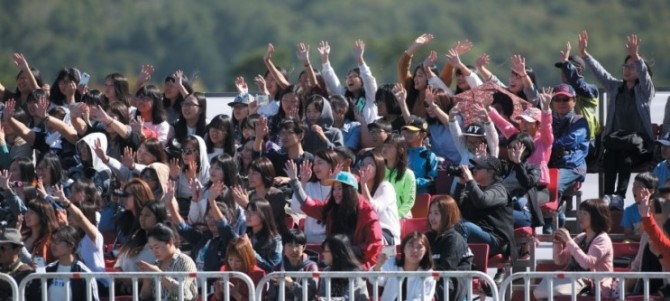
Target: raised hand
{"points": [[305, 171], [175, 168], [466, 173], [40, 187], [418, 42], [241, 85], [43, 105], [400, 93], [359, 49], [97, 148], [302, 52], [482, 61], [366, 174], [565, 54], [259, 80], [268, 53], [545, 98], [179, 77], [583, 43], [483, 113], [430, 59], [240, 195], [146, 71], [191, 169], [196, 188], [10, 109], [633, 46], [137, 124], [338, 167], [169, 191], [644, 208], [261, 128], [59, 193], [324, 51], [5, 175], [20, 61], [519, 65], [453, 58], [216, 190], [455, 110], [291, 169], [481, 150], [128, 157], [462, 47], [430, 95], [516, 151]]}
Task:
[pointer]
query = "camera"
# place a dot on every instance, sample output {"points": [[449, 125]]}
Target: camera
{"points": [[454, 170]]}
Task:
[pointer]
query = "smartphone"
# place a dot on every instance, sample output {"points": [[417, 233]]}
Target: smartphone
{"points": [[40, 266], [390, 251], [83, 81], [262, 99]]}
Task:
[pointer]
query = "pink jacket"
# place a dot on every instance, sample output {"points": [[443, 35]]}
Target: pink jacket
{"points": [[600, 257], [544, 139]]}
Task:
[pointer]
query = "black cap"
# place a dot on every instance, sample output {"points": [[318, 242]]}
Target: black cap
{"points": [[488, 162], [416, 124], [577, 61], [474, 129]]}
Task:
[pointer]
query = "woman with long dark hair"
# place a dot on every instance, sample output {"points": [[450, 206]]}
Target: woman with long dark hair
{"points": [[176, 88], [151, 113], [192, 118], [40, 221], [381, 195], [398, 173], [346, 212], [339, 257], [220, 137]]}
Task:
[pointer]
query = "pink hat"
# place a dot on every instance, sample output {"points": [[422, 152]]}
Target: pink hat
{"points": [[531, 115]]}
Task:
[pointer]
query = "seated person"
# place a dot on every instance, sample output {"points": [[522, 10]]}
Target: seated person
{"points": [[294, 260], [631, 220]]}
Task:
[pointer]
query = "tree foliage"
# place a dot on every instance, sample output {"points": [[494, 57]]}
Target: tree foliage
{"points": [[218, 40]]}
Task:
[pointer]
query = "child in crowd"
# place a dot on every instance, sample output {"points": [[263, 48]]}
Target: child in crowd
{"points": [[631, 220]]}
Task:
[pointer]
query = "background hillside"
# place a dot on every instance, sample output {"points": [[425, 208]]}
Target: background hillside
{"points": [[219, 39]]}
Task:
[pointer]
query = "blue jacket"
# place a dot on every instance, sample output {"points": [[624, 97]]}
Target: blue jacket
{"points": [[571, 142], [423, 163]]}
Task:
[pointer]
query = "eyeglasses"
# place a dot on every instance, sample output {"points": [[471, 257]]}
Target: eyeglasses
{"points": [[377, 132], [561, 99], [188, 151]]}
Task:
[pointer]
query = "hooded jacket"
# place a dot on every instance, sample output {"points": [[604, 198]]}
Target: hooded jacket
{"points": [[163, 173], [183, 188], [98, 171], [312, 143]]}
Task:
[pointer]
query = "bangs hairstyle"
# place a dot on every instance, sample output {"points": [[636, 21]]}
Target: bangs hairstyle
{"points": [[120, 110], [599, 212], [38, 78], [450, 214], [181, 127], [527, 141], [344, 259], [68, 74], [157, 111], [46, 215], [162, 233], [222, 122], [192, 140], [317, 101], [154, 147], [229, 166], [648, 180], [67, 234], [380, 170], [328, 155], [293, 125], [176, 105], [294, 236], [121, 87], [385, 94], [292, 90], [242, 248], [94, 98], [400, 144], [250, 121], [26, 168], [90, 190], [343, 216], [426, 262], [264, 166], [52, 162], [264, 211]]}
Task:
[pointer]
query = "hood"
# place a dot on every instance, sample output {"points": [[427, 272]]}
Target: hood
{"points": [[89, 140], [204, 158], [163, 173], [326, 119]]}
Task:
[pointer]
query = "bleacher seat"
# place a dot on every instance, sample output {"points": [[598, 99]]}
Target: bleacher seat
{"points": [[421, 204], [624, 253], [410, 225]]}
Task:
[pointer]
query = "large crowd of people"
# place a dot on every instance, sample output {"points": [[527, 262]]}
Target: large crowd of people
{"points": [[323, 160]]}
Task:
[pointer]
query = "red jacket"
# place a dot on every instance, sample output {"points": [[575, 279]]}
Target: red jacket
{"points": [[658, 239], [256, 274], [368, 233]]}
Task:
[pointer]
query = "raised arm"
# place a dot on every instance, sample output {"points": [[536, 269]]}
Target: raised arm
{"points": [[302, 52], [89, 228], [491, 135], [576, 80], [404, 72], [21, 129], [369, 83], [99, 114], [546, 132], [22, 63], [644, 78], [480, 64], [400, 98], [519, 68], [282, 82], [146, 71], [333, 84], [608, 81]]}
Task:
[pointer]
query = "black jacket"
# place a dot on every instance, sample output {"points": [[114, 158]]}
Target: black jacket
{"points": [[528, 175], [450, 253]]}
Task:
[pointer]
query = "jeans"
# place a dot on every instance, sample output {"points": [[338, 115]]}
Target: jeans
{"points": [[473, 233], [521, 218]]}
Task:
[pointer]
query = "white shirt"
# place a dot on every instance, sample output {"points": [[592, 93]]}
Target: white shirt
{"points": [[91, 254], [384, 203], [314, 232], [416, 287], [57, 287], [129, 264]]}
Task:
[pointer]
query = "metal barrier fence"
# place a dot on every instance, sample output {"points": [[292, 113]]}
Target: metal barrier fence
{"points": [[373, 279], [574, 276], [200, 278], [12, 284]]}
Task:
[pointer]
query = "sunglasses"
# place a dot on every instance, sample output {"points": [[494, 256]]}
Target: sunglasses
{"points": [[188, 151]]}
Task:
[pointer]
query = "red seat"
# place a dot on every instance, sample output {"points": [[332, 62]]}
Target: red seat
{"points": [[523, 232], [480, 263], [421, 204], [552, 205], [410, 225], [314, 251], [624, 252]]}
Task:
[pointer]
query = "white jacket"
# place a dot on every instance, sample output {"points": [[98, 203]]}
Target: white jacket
{"points": [[416, 287]]}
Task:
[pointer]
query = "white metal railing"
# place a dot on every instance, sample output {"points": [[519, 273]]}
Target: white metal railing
{"points": [[372, 277], [200, 278], [596, 277], [12, 284]]}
